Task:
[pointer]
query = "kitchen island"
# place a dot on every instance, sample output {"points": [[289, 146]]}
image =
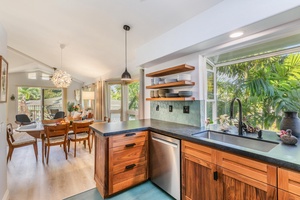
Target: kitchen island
{"points": [[280, 157]]}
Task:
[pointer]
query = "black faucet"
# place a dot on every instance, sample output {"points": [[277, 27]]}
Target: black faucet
{"points": [[240, 126]]}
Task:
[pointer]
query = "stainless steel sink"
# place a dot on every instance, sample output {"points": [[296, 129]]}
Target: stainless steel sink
{"points": [[251, 143]]}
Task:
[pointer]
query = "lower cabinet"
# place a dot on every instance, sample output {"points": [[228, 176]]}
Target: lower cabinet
{"points": [[288, 184], [121, 161], [212, 174]]}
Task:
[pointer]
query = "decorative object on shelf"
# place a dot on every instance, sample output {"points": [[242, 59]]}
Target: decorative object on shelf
{"points": [[184, 77], [185, 93], [170, 80], [291, 121], [126, 76], [3, 79], [12, 97], [60, 78], [287, 137]]}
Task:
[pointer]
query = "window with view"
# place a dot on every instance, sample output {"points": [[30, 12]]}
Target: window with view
{"points": [[266, 87]]}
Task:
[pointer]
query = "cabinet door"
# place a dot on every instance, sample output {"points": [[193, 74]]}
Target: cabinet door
{"points": [[243, 178], [235, 186], [287, 195], [198, 169], [198, 179], [289, 181]]}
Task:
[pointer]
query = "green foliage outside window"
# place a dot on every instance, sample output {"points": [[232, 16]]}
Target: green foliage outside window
{"points": [[266, 87]]}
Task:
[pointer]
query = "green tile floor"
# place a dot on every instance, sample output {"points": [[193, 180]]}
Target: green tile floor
{"points": [[145, 191]]}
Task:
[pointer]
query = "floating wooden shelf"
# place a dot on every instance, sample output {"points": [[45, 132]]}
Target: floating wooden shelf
{"points": [[172, 70], [172, 99], [174, 84]]}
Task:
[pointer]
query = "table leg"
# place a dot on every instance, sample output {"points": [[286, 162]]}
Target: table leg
{"points": [[43, 146]]}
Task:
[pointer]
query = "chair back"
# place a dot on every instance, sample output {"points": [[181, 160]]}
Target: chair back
{"points": [[22, 119], [81, 127], [58, 130], [59, 114], [9, 134]]}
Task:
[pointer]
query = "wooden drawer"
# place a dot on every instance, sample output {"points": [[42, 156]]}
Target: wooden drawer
{"points": [[249, 168], [128, 138], [199, 151], [119, 157], [128, 178], [289, 181]]}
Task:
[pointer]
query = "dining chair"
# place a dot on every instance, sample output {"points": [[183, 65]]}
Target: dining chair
{"points": [[56, 135], [17, 142], [23, 119], [81, 132], [59, 114]]}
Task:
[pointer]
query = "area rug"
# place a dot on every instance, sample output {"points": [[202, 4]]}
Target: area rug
{"points": [[145, 191]]}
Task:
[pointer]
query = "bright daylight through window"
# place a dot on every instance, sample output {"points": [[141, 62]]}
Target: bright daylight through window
{"points": [[267, 87]]}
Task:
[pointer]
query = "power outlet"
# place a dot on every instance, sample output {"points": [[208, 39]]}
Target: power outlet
{"points": [[186, 109], [170, 108], [157, 108]]}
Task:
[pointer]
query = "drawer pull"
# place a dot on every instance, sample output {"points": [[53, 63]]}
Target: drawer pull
{"points": [[130, 145], [129, 134], [130, 166]]}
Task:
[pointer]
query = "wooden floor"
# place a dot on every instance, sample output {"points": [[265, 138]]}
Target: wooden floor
{"points": [[61, 178]]}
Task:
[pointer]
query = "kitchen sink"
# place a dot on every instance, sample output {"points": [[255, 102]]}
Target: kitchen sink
{"points": [[251, 143]]}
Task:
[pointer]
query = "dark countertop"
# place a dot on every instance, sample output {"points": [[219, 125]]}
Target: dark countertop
{"points": [[287, 156]]}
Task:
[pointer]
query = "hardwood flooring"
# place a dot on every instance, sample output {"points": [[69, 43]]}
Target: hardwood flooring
{"points": [[61, 178]]}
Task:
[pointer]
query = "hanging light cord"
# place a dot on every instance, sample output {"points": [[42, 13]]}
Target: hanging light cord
{"points": [[125, 49]]}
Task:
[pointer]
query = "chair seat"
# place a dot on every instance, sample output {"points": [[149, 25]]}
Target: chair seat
{"points": [[79, 136], [54, 140], [24, 141]]}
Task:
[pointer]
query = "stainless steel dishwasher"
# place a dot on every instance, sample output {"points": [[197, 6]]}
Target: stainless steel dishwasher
{"points": [[165, 163]]}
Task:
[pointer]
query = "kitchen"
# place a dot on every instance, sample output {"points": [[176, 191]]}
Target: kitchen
{"points": [[195, 106]]}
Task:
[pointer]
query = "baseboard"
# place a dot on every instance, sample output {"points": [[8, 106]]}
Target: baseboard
{"points": [[6, 195]]}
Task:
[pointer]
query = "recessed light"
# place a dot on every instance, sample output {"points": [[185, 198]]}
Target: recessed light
{"points": [[236, 34]]}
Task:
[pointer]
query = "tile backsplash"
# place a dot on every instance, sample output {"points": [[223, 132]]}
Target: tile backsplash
{"points": [[196, 109]]}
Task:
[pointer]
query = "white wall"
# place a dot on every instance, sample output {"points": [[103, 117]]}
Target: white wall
{"points": [[3, 145], [20, 79], [223, 18], [192, 59]]}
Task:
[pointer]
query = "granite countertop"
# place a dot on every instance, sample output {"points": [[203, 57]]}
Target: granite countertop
{"points": [[282, 155]]}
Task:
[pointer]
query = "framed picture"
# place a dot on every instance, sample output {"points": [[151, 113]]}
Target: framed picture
{"points": [[3, 79]]}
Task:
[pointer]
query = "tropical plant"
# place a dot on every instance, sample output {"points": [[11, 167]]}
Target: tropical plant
{"points": [[266, 87]]}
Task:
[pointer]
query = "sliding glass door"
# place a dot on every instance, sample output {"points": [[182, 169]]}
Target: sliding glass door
{"points": [[39, 103]]}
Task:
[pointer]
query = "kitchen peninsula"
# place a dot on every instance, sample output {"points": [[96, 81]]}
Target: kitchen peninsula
{"points": [[121, 161]]}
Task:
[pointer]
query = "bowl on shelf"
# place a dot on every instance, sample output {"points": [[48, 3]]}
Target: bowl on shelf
{"points": [[185, 93], [152, 93], [156, 80], [184, 77], [156, 94], [170, 80], [162, 92], [161, 82], [172, 95]]}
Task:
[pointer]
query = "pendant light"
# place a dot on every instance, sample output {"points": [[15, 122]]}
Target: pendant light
{"points": [[60, 78], [126, 76]]}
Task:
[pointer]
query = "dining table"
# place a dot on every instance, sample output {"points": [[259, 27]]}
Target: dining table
{"points": [[37, 131]]}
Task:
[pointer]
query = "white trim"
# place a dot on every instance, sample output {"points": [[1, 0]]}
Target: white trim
{"points": [[6, 195]]}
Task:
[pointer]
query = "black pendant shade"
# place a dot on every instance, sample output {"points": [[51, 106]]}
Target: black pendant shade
{"points": [[126, 76]]}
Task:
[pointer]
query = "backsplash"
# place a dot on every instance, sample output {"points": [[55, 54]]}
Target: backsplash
{"points": [[193, 118]]}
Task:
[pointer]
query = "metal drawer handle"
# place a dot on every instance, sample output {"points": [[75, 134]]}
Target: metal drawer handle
{"points": [[130, 145], [130, 166], [129, 134]]}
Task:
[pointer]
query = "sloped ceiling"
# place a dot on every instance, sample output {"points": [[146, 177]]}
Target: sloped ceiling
{"points": [[92, 31]]}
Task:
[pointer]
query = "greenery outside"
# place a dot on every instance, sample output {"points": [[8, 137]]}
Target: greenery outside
{"points": [[266, 87]]}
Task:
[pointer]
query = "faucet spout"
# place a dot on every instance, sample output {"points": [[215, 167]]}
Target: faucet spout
{"points": [[240, 125]]}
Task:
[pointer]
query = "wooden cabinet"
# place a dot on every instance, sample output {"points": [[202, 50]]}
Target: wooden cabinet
{"points": [[288, 184], [198, 169], [242, 178], [126, 162], [224, 176], [170, 71]]}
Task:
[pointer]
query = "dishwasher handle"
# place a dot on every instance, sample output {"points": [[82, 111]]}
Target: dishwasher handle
{"points": [[165, 142]]}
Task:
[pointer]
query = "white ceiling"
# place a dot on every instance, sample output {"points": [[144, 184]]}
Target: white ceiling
{"points": [[91, 29]]}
